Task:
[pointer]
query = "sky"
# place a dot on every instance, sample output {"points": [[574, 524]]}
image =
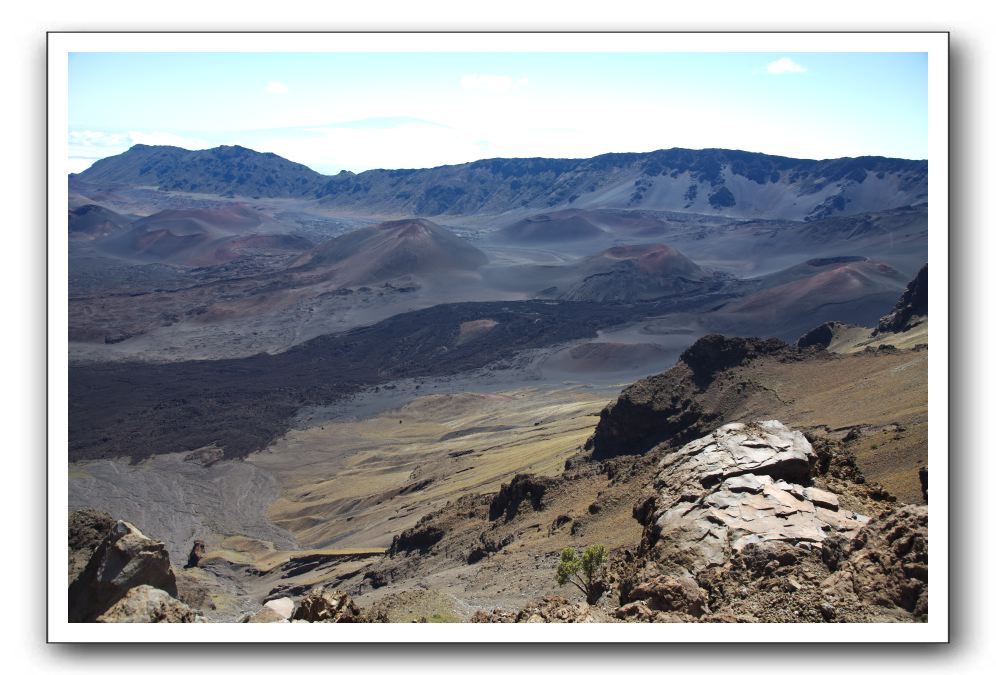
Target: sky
{"points": [[359, 111]]}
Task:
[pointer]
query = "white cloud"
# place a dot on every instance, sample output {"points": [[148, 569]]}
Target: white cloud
{"points": [[276, 87], [103, 139], [86, 146], [494, 84], [166, 138], [96, 139], [784, 65]]}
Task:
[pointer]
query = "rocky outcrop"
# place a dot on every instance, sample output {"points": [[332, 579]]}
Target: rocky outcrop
{"points": [[422, 537], [912, 305], [377, 578], [712, 354], [87, 529], [666, 407], [324, 605], [125, 559], [549, 609], [745, 525], [196, 553], [655, 409], [146, 604], [820, 337], [886, 566], [486, 545], [742, 484], [523, 488]]}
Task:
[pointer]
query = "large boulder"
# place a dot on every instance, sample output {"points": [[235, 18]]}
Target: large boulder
{"points": [[282, 606], [145, 604], [126, 558], [742, 484], [327, 606]]}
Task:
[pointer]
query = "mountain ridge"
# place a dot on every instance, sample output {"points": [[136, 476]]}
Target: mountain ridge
{"points": [[715, 181]]}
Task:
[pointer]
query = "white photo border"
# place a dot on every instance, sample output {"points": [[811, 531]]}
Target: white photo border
{"points": [[61, 44]]}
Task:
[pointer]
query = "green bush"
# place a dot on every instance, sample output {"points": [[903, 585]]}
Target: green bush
{"points": [[583, 571]]}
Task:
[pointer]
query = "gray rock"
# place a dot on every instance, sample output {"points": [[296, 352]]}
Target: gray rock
{"points": [[741, 485], [749, 483], [822, 498], [282, 606]]}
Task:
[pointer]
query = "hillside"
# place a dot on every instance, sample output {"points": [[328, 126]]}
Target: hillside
{"points": [[477, 500], [629, 273], [753, 481], [556, 226], [852, 289], [205, 236], [92, 221], [393, 249]]}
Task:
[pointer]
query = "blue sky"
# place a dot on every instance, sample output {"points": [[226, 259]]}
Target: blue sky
{"points": [[335, 111]]}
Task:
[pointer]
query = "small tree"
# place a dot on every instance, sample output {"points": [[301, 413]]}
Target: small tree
{"points": [[582, 571]]}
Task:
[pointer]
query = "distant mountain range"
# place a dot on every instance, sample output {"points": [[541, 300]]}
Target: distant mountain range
{"points": [[713, 181], [225, 170]]}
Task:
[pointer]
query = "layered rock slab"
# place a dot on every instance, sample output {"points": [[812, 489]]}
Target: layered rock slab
{"points": [[742, 484]]}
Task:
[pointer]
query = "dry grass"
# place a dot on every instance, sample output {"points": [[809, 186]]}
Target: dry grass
{"points": [[264, 556], [360, 483], [882, 394], [857, 338]]}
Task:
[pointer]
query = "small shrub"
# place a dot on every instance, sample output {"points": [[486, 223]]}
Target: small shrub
{"points": [[582, 571]]}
